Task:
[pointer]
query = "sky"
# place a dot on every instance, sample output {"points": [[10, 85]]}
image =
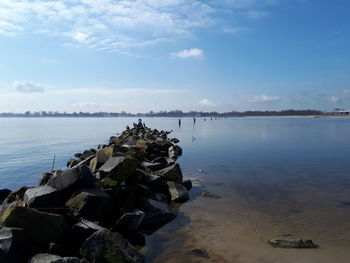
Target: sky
{"points": [[143, 55]]}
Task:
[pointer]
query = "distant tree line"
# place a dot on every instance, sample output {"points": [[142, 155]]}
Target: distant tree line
{"points": [[176, 113]]}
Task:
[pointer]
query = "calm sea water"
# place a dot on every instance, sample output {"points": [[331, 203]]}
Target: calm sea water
{"points": [[278, 175]]}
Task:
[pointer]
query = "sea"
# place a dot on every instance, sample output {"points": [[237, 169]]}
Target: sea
{"points": [[272, 177]]}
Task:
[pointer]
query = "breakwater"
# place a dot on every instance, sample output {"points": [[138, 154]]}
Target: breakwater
{"points": [[101, 207]]}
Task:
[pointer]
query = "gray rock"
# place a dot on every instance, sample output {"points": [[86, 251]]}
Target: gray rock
{"points": [[72, 179], [178, 192], [105, 246], [43, 197], [49, 258], [92, 204], [291, 243], [129, 222], [12, 245], [157, 216], [118, 168], [40, 228], [187, 184], [3, 194], [172, 173]]}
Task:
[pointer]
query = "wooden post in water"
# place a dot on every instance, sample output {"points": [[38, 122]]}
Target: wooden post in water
{"points": [[53, 162]]}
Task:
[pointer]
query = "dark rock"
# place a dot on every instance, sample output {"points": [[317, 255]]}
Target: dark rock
{"points": [[81, 231], [291, 243], [40, 228], [129, 222], [50, 258], [72, 162], [87, 153], [157, 216], [44, 197], [118, 168], [12, 245], [77, 155], [187, 184], [92, 204], [172, 173], [178, 192], [200, 252], [175, 140], [160, 197], [44, 178], [3, 194], [72, 179], [174, 152], [137, 239], [105, 246], [209, 195]]}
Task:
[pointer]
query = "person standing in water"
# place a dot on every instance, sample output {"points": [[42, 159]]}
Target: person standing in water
{"points": [[179, 122]]}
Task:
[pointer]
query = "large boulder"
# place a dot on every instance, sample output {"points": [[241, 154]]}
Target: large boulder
{"points": [[49, 258], [105, 246], [44, 197], [81, 231], [118, 168], [92, 204], [178, 192], [172, 173], [72, 179], [129, 222], [40, 228], [12, 245], [157, 215]]}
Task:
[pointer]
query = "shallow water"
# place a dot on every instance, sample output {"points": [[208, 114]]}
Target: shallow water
{"points": [[274, 176]]}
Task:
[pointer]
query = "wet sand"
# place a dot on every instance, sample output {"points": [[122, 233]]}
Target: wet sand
{"points": [[251, 210]]}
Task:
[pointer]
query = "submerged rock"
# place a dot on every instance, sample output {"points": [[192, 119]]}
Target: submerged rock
{"points": [[157, 216], [291, 243], [105, 246], [209, 195], [200, 252]]}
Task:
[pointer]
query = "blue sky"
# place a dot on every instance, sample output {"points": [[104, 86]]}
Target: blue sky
{"points": [[142, 55]]}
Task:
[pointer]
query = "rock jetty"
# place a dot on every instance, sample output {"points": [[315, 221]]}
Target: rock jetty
{"points": [[101, 207]]}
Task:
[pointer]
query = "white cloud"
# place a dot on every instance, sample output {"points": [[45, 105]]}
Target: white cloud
{"points": [[112, 26], [50, 61], [116, 92], [28, 86], [235, 30], [206, 102], [256, 14], [121, 26], [264, 98], [189, 53], [334, 99]]}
